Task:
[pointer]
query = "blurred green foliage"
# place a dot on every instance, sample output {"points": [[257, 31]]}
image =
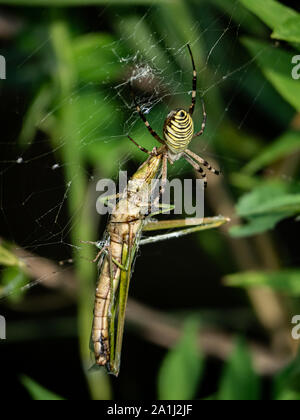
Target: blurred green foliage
{"points": [[183, 367], [239, 382], [265, 206], [286, 385], [286, 281], [73, 102], [37, 392], [8, 258]]}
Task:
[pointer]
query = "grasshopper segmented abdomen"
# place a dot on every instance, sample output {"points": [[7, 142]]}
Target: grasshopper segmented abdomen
{"points": [[123, 232]]}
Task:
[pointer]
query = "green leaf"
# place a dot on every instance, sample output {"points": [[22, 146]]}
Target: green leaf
{"points": [[38, 392], [239, 381], [257, 225], [286, 385], [13, 277], [289, 203], [280, 148], [276, 65], [241, 16], [35, 115], [271, 12], [289, 30], [269, 197], [182, 368], [287, 281], [249, 203]]}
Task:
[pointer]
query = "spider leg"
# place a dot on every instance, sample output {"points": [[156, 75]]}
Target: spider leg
{"points": [[202, 162], [154, 151], [144, 119], [197, 168], [99, 254], [103, 249], [203, 122], [194, 91]]}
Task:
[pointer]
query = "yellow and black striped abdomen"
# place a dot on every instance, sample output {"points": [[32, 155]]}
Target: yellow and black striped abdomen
{"points": [[178, 131]]}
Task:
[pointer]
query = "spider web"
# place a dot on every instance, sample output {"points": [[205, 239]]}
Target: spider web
{"points": [[33, 185]]}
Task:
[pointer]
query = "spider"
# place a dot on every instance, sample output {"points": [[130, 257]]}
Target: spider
{"points": [[178, 132]]}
